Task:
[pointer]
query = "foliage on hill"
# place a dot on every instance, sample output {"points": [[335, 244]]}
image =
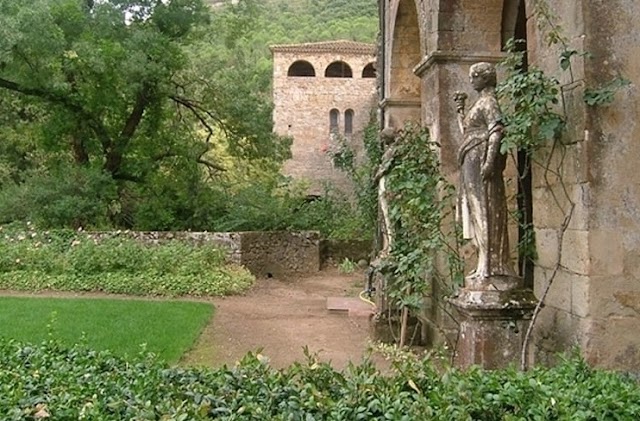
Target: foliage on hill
{"points": [[48, 380], [320, 20]]}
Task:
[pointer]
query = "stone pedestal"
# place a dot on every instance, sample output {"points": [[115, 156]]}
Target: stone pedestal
{"points": [[493, 324]]}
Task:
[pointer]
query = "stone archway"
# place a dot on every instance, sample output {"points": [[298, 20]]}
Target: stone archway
{"points": [[401, 94], [514, 25]]}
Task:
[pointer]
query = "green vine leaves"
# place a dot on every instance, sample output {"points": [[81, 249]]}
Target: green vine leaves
{"points": [[422, 200], [604, 95], [530, 99]]}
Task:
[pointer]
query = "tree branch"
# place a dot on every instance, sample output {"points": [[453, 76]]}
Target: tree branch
{"points": [[210, 165], [135, 117], [96, 126], [201, 114], [44, 94]]}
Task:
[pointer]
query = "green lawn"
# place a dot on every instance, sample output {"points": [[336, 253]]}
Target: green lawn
{"points": [[168, 328]]}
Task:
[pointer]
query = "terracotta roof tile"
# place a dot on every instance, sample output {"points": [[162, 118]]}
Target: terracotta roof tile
{"points": [[339, 46]]}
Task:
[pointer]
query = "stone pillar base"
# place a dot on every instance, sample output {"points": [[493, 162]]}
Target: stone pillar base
{"points": [[492, 326]]}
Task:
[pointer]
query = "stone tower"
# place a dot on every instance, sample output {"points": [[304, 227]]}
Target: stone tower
{"points": [[323, 94]]}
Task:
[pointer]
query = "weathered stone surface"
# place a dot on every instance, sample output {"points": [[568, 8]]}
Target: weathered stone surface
{"points": [[302, 106], [556, 331], [273, 253], [613, 297], [607, 252], [614, 344], [492, 326], [547, 247], [280, 253], [595, 167], [559, 295], [575, 247]]}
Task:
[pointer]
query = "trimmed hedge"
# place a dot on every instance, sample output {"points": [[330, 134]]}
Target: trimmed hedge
{"points": [[77, 383]]}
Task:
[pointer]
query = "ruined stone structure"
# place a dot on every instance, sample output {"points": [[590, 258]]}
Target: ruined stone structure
{"points": [[426, 51], [323, 94]]}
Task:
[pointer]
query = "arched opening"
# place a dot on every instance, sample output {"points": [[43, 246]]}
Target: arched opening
{"points": [[301, 68], [514, 25], [338, 69], [334, 121], [369, 71], [405, 54], [348, 122]]}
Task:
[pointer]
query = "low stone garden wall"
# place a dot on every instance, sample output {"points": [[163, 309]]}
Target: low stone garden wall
{"points": [[265, 254], [335, 251]]}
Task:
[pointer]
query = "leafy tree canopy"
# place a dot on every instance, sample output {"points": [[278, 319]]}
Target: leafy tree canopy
{"points": [[115, 83]]}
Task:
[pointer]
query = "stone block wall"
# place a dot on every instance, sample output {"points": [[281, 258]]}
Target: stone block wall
{"points": [[613, 293], [302, 106], [595, 297], [229, 241], [280, 253], [594, 301], [269, 253], [561, 190]]}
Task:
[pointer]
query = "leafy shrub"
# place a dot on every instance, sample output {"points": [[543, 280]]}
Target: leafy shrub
{"points": [[69, 261], [60, 197], [264, 207], [79, 383], [88, 200], [347, 266]]}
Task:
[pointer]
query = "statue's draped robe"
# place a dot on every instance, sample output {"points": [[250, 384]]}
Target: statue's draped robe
{"points": [[482, 203], [383, 201]]}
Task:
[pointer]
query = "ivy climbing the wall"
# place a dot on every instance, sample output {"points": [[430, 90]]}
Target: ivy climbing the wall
{"points": [[421, 209]]}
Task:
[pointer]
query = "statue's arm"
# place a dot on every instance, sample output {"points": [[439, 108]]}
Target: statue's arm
{"points": [[460, 117]]}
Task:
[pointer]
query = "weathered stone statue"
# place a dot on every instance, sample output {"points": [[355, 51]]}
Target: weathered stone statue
{"points": [[387, 138], [482, 202]]}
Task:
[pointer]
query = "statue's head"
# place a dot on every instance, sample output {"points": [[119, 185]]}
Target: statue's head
{"points": [[482, 75], [388, 135]]}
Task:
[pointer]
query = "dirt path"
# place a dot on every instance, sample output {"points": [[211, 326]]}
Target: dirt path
{"points": [[281, 317]]}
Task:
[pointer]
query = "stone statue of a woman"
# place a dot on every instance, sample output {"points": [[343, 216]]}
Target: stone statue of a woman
{"points": [[388, 137], [482, 201]]}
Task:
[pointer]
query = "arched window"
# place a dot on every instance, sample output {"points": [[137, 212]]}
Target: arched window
{"points": [[301, 68], [369, 71], [338, 69], [348, 122], [334, 117]]}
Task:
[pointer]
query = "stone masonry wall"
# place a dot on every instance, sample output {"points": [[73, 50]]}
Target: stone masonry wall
{"points": [[613, 294], [275, 253], [280, 253], [562, 322], [594, 302], [301, 110]]}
